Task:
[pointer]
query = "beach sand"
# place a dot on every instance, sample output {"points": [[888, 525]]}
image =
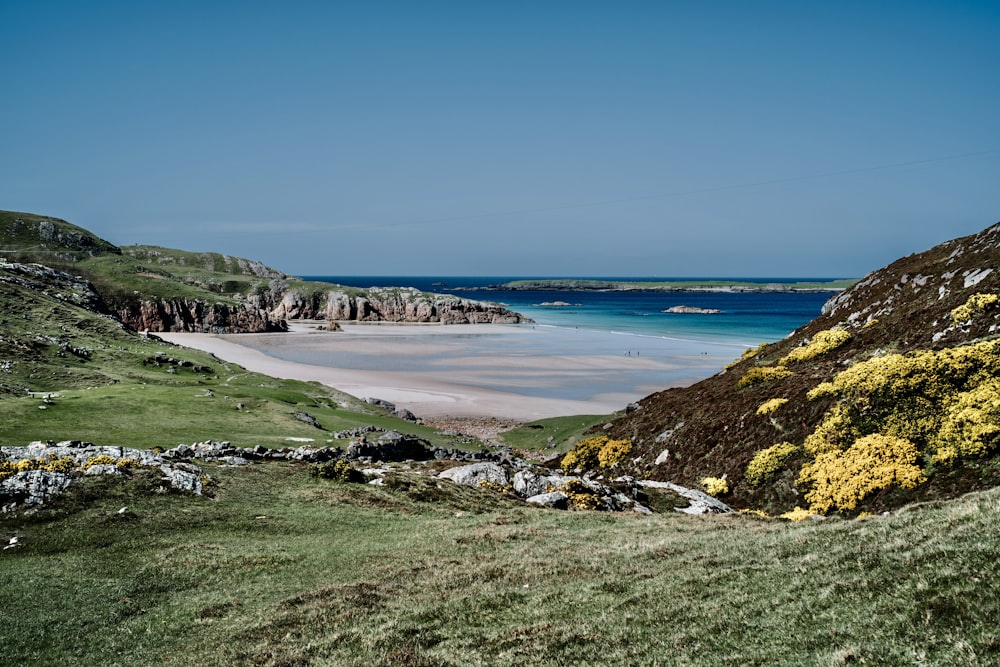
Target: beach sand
{"points": [[453, 392]]}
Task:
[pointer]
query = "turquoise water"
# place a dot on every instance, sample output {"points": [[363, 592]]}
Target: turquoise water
{"points": [[745, 318], [608, 347]]}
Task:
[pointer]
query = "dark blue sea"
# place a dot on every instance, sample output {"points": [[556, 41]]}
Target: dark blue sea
{"points": [[745, 318]]}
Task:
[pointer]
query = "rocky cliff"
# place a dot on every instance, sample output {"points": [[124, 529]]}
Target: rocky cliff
{"points": [[161, 289], [891, 395], [187, 315], [390, 304]]}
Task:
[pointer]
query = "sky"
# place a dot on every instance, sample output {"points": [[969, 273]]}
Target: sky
{"points": [[513, 138]]}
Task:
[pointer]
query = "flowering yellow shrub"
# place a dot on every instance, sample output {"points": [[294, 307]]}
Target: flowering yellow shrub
{"points": [[495, 486], [834, 433], [747, 354], [715, 486], [101, 460], [976, 304], [769, 461], [53, 464], [797, 514], [760, 374], [840, 480], [127, 464], [598, 451], [822, 343], [971, 424], [580, 495], [50, 464], [767, 407], [613, 452]]}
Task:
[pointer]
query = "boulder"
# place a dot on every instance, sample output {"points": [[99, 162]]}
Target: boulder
{"points": [[699, 502], [527, 483], [32, 487], [182, 480], [392, 446], [554, 499], [474, 473]]}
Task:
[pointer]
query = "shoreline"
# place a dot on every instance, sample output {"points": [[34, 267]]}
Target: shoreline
{"points": [[430, 393]]}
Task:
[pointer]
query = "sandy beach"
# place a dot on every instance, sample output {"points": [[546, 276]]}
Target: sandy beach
{"points": [[506, 371]]}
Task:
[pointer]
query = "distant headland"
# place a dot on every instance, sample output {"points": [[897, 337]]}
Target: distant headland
{"points": [[692, 285]]}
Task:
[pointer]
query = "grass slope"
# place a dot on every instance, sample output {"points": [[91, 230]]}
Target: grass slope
{"points": [[285, 569], [118, 388]]}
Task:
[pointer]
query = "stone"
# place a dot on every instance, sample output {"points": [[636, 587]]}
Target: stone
{"points": [[392, 446], [527, 483], [102, 469], [308, 419], [32, 487], [403, 413], [182, 480], [699, 502], [474, 473], [554, 499]]}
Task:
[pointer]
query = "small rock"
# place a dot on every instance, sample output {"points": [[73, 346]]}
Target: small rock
{"points": [[555, 499]]}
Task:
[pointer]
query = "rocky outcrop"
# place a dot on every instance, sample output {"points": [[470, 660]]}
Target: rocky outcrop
{"points": [[50, 468], [476, 474], [192, 315], [391, 304], [34, 232], [52, 283]]}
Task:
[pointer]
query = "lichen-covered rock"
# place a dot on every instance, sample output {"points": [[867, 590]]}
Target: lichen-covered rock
{"points": [[554, 499], [31, 487], [182, 480], [476, 473], [527, 483]]}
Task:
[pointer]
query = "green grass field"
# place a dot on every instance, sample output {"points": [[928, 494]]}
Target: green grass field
{"points": [[280, 568]]}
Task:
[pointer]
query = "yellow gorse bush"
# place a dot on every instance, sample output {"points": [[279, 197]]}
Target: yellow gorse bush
{"points": [[64, 464], [747, 354], [100, 460], [580, 495], [971, 424], [767, 407], [976, 304], [598, 451], [797, 514], [761, 374], [769, 461], [822, 343], [842, 479], [943, 404], [715, 486]]}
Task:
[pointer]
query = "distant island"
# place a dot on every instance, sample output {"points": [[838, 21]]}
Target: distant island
{"points": [[692, 310], [555, 304], [694, 285]]}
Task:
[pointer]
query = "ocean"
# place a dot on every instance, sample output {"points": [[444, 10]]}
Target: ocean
{"points": [[746, 319], [604, 351]]}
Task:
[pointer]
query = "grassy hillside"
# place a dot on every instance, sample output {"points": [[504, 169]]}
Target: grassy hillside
{"points": [[284, 569], [115, 387]]}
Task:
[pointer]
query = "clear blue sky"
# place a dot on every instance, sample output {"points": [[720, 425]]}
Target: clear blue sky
{"points": [[509, 138]]}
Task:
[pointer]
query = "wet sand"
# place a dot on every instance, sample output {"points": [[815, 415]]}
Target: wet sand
{"points": [[438, 371]]}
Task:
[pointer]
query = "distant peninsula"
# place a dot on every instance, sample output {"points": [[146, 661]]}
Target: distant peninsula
{"points": [[693, 285]]}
